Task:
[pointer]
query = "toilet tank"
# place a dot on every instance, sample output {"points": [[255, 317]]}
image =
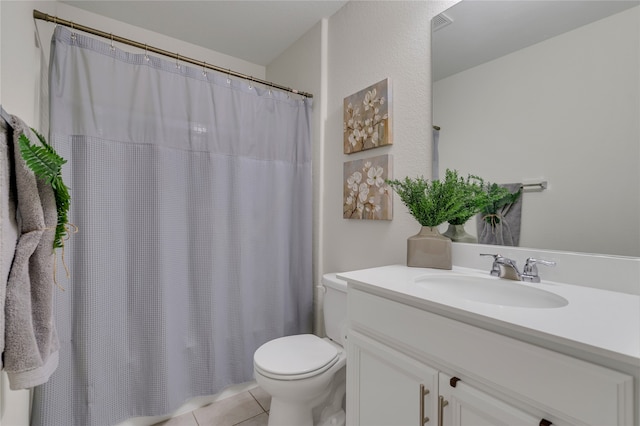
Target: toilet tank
{"points": [[334, 308]]}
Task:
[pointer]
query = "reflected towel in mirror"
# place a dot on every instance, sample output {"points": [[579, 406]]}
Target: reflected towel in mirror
{"points": [[503, 226]]}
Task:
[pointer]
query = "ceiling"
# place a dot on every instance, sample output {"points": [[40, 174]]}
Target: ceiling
{"points": [[256, 31], [483, 30]]}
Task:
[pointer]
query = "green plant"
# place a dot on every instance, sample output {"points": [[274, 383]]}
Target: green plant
{"points": [[498, 202], [434, 202], [474, 200], [47, 165], [488, 199]]}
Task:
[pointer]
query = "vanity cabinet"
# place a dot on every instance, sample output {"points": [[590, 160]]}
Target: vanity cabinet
{"points": [[470, 375], [391, 388], [384, 377], [464, 405]]}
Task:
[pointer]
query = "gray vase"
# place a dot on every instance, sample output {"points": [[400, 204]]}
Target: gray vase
{"points": [[429, 249], [458, 234]]}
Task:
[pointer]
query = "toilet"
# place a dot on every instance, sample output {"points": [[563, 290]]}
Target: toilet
{"points": [[305, 374]]}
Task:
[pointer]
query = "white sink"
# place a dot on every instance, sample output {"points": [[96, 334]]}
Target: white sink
{"points": [[491, 290]]}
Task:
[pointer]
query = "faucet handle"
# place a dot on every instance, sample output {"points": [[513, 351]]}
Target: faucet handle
{"points": [[495, 268], [530, 272]]}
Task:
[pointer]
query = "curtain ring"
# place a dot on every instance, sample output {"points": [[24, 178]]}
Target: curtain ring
{"points": [[177, 59], [112, 46], [204, 66], [229, 76], [251, 82], [146, 53], [73, 34]]}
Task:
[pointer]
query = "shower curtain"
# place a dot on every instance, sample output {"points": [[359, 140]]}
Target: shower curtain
{"points": [[192, 196]]}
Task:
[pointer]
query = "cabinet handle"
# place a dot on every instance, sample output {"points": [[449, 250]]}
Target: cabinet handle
{"points": [[423, 392], [441, 404]]}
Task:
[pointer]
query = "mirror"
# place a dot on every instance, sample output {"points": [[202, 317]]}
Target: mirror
{"points": [[533, 91]]}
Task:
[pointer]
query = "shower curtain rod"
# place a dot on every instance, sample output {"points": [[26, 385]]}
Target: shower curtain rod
{"points": [[46, 17]]}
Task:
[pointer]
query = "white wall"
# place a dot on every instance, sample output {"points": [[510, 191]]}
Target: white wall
{"points": [[19, 94], [577, 127], [370, 41], [361, 44]]}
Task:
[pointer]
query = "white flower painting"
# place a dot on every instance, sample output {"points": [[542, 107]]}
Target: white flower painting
{"points": [[367, 122], [366, 195]]}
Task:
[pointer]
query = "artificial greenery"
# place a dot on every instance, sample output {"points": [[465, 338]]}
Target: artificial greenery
{"points": [[498, 203], [47, 165], [434, 202], [488, 199], [474, 200]]}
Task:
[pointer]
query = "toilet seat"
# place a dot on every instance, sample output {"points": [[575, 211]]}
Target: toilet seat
{"points": [[295, 357]]}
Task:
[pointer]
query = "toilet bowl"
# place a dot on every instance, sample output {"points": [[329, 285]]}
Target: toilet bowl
{"points": [[305, 374]]}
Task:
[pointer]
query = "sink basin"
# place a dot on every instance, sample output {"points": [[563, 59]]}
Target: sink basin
{"points": [[491, 290]]}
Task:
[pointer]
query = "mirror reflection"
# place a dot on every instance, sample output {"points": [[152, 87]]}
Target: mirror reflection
{"points": [[540, 91]]}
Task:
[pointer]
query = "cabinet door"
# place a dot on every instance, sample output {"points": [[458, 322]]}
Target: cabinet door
{"points": [[386, 387], [468, 406]]}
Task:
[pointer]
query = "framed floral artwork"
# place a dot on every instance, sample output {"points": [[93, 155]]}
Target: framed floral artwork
{"points": [[366, 194], [367, 118]]}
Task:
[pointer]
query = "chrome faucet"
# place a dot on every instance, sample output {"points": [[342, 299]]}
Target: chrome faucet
{"points": [[506, 268], [503, 267], [530, 273]]}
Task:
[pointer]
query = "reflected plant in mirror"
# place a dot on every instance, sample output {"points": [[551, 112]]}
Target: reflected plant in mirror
{"points": [[546, 90], [486, 199]]}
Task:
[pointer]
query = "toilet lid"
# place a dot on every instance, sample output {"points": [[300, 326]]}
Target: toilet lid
{"points": [[294, 355]]}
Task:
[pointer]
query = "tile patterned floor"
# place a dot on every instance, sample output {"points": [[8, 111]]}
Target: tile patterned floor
{"points": [[250, 408]]}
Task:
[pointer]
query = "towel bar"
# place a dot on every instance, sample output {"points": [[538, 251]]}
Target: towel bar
{"points": [[536, 186]]}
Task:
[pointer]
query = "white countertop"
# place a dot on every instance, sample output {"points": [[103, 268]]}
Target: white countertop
{"points": [[605, 323]]}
